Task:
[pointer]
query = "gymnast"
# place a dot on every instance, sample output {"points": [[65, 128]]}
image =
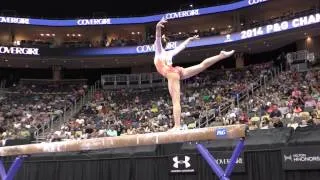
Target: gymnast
{"points": [[163, 64]]}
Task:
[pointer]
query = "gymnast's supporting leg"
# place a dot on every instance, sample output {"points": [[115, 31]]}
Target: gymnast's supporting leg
{"points": [[174, 90], [194, 70]]}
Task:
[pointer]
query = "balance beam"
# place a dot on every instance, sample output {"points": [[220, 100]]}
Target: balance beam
{"points": [[202, 134]]}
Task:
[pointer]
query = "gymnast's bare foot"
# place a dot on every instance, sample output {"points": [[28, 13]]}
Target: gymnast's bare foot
{"points": [[226, 54], [176, 128]]}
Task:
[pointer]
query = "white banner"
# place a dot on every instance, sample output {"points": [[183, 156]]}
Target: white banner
{"points": [[19, 51]]}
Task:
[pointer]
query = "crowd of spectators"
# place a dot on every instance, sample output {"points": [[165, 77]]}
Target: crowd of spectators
{"points": [[26, 108], [136, 111], [291, 100]]}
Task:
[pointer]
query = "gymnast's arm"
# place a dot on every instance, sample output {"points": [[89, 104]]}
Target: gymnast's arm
{"points": [[157, 44], [183, 45]]}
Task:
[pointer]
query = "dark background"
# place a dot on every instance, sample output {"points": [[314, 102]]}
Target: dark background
{"points": [[111, 8], [260, 165]]}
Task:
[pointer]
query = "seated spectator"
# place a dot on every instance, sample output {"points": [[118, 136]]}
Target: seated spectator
{"points": [[310, 102], [111, 132], [265, 124], [275, 112], [277, 122]]}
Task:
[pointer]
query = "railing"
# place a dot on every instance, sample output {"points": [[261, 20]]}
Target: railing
{"points": [[51, 81], [2, 84], [260, 105], [57, 119], [143, 80], [299, 60], [222, 110], [55, 123]]}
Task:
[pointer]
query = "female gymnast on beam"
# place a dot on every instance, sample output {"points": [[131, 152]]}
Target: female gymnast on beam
{"points": [[163, 64]]}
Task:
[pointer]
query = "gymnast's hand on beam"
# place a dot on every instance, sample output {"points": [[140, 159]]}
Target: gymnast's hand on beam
{"points": [[161, 22], [226, 54]]}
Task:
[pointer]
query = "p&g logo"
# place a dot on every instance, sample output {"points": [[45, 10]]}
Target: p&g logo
{"points": [[221, 132]]}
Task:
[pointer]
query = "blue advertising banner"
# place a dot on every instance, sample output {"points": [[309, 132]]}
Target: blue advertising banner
{"points": [[131, 20], [262, 31], [207, 41]]}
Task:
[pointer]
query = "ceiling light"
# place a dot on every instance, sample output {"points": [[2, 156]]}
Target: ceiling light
{"points": [[17, 43]]}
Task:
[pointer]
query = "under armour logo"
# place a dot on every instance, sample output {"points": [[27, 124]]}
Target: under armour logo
{"points": [[286, 158], [185, 162]]}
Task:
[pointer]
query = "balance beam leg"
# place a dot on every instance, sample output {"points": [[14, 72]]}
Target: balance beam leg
{"points": [[3, 173], [236, 153], [211, 161], [14, 167]]}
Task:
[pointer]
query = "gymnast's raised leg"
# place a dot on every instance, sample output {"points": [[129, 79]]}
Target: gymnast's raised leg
{"points": [[196, 69]]}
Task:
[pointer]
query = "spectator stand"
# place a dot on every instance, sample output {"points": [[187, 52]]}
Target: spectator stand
{"points": [[42, 133], [291, 100], [137, 110], [268, 74], [35, 107]]}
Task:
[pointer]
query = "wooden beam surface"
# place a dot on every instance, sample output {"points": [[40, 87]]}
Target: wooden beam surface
{"points": [[202, 134]]}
